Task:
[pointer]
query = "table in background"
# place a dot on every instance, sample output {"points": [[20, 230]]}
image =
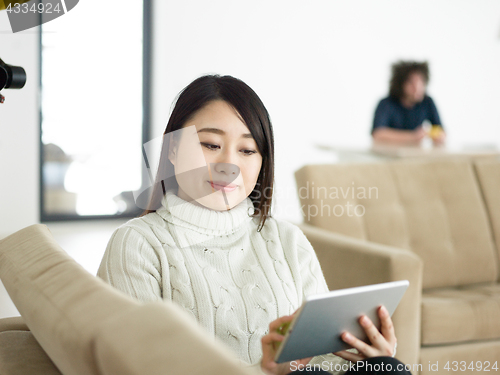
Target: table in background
{"points": [[384, 152]]}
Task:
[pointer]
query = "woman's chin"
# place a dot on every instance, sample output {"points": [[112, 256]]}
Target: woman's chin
{"points": [[216, 201]]}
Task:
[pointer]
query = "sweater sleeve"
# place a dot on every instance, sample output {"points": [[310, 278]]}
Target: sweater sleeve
{"points": [[131, 265], [256, 368], [313, 280]]}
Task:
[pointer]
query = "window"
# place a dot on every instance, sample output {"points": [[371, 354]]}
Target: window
{"points": [[95, 78]]}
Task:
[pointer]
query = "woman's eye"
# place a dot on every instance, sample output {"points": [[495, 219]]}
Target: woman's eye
{"points": [[249, 152], [213, 147], [209, 146]]}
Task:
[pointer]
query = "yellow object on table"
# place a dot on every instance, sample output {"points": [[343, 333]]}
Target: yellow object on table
{"points": [[435, 131]]}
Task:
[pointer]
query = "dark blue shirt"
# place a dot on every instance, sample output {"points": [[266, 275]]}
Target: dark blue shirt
{"points": [[392, 114]]}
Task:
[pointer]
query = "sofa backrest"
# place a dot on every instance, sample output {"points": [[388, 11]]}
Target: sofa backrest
{"points": [[488, 173], [433, 208]]}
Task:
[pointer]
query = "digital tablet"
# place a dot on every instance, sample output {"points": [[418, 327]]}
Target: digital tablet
{"points": [[322, 318]]}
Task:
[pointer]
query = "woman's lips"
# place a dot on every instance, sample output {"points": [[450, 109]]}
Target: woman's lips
{"points": [[223, 186]]}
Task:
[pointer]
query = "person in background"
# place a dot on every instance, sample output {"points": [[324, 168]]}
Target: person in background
{"points": [[399, 117]]}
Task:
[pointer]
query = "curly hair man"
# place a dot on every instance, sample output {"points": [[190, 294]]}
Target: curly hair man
{"points": [[399, 117]]}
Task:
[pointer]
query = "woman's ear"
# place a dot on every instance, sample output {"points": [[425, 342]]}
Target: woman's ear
{"points": [[171, 149]]}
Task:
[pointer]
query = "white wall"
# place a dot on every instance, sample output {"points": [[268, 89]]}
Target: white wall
{"points": [[320, 67], [18, 142], [19, 133]]}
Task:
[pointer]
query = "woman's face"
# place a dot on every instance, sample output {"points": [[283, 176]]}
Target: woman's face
{"points": [[215, 157]]}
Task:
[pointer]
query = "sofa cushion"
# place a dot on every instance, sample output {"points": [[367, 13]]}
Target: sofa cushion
{"points": [[62, 304], [20, 354], [433, 208], [482, 355], [453, 315], [15, 323]]}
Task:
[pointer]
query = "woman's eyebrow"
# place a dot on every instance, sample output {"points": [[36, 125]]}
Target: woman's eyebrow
{"points": [[222, 132]]}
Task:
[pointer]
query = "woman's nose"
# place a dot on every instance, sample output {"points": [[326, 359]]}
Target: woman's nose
{"points": [[226, 168]]}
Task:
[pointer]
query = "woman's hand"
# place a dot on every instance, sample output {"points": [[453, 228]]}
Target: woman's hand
{"points": [[383, 342], [268, 365]]}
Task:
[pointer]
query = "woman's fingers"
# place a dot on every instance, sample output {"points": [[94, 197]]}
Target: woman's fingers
{"points": [[268, 365], [387, 327], [274, 325], [271, 337], [267, 362], [382, 342], [268, 342], [362, 347], [374, 336]]}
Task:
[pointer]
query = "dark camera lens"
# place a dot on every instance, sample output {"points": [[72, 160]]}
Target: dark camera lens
{"points": [[11, 77], [3, 77]]}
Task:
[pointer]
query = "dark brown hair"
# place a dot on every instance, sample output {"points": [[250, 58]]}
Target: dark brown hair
{"points": [[400, 73], [252, 111]]}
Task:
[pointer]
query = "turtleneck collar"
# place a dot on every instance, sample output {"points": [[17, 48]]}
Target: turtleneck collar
{"points": [[204, 220]]}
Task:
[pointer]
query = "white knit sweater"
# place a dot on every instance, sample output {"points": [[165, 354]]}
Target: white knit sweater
{"points": [[215, 264]]}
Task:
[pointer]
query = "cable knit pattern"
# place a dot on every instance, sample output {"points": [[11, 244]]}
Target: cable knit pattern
{"points": [[233, 279]]}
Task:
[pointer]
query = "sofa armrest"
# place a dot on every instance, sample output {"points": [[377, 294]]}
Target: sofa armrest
{"points": [[13, 324], [60, 301], [159, 338], [87, 327], [349, 262]]}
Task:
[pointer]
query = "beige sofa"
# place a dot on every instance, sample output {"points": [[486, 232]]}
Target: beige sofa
{"points": [[383, 221], [79, 325], [73, 323]]}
